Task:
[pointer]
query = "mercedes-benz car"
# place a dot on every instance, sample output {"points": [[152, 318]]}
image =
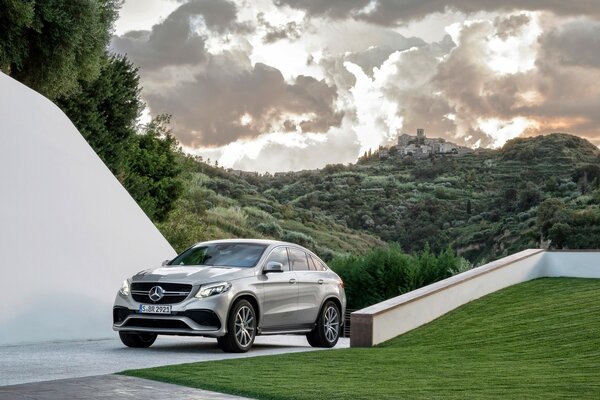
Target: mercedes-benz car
{"points": [[233, 290]]}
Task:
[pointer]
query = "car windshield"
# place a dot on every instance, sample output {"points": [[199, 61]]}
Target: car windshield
{"points": [[241, 255]]}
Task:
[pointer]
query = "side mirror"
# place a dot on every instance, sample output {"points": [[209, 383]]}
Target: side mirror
{"points": [[273, 266], [165, 262]]}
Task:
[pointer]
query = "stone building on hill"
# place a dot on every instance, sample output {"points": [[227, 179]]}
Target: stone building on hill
{"points": [[422, 146]]}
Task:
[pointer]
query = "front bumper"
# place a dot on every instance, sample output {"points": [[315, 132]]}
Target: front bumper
{"points": [[191, 317]]}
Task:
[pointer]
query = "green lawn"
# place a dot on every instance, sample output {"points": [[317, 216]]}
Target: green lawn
{"points": [[537, 340]]}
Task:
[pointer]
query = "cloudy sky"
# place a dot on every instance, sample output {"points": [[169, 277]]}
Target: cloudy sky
{"points": [[276, 85]]}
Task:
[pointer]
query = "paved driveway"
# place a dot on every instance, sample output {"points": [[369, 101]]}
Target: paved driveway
{"points": [[60, 360], [107, 387]]}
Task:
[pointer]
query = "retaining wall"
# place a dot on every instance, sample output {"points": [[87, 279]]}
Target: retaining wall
{"points": [[393, 317]]}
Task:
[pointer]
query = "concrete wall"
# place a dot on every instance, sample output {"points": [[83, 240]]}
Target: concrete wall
{"points": [[69, 232], [576, 264], [393, 317]]}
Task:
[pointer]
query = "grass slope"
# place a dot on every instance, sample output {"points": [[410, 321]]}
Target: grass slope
{"points": [[537, 340]]}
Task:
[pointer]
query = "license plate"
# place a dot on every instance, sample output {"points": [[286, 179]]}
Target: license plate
{"points": [[154, 309]]}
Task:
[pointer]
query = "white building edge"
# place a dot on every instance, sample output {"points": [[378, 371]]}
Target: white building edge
{"points": [[69, 232]]}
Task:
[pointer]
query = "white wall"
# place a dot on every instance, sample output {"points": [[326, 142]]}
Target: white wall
{"points": [[69, 232], [393, 317], [576, 264]]}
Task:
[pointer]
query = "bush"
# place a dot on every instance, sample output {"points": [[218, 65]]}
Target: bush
{"points": [[270, 229], [299, 238], [387, 272]]}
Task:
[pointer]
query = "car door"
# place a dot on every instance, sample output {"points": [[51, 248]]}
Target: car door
{"points": [[309, 286], [280, 293]]}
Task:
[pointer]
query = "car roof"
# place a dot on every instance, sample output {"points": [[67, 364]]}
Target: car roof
{"points": [[256, 241]]}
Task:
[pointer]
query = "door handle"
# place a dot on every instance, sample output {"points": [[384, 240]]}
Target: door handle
{"points": [[320, 281], [292, 281]]}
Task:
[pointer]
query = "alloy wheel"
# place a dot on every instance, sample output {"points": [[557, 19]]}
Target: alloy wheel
{"points": [[244, 326], [331, 324]]}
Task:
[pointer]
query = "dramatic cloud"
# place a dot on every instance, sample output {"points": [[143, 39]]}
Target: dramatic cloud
{"points": [[543, 87], [220, 98], [391, 12], [576, 44], [301, 153], [222, 104], [511, 26], [276, 85], [290, 30], [176, 41]]}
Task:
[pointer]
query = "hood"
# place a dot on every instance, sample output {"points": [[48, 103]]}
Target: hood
{"points": [[195, 275]]}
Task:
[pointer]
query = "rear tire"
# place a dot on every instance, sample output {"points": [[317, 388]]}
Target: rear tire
{"points": [[328, 327], [241, 328], [140, 340]]}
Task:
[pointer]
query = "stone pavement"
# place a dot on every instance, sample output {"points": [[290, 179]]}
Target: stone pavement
{"points": [[75, 359], [106, 387]]}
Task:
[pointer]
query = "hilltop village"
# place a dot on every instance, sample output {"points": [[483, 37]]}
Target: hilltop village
{"points": [[419, 146]]}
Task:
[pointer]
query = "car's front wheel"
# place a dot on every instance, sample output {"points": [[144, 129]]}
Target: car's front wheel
{"points": [[241, 328], [327, 329], [137, 339]]}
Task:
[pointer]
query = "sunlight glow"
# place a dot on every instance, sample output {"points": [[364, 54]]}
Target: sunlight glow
{"points": [[518, 53], [504, 130]]}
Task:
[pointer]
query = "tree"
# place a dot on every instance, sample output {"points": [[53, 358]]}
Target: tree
{"points": [[52, 45], [550, 212], [152, 171], [529, 196], [586, 175], [15, 17], [106, 109], [559, 234]]}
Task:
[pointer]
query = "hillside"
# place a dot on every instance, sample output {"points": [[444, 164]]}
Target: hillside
{"points": [[216, 204], [484, 204], [536, 340]]}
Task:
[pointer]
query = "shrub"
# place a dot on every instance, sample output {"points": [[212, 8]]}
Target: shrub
{"points": [[270, 229], [387, 272], [299, 238]]}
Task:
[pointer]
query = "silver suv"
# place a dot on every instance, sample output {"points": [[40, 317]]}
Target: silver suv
{"points": [[233, 290]]}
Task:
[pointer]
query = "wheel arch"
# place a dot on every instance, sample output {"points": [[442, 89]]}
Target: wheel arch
{"points": [[251, 299], [338, 303]]}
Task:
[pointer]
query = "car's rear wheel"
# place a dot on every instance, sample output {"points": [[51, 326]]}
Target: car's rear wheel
{"points": [[327, 329], [130, 339], [241, 328]]}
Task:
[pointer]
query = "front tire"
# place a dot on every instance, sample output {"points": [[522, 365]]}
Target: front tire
{"points": [[241, 329], [140, 340], [327, 330]]}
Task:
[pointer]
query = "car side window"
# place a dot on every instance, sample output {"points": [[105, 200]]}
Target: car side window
{"points": [[280, 255], [318, 264], [298, 260], [311, 263]]}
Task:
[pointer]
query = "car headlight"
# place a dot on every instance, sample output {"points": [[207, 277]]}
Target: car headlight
{"points": [[125, 288], [213, 289]]}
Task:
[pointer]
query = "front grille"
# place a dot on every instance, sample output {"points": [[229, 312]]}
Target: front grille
{"points": [[174, 292], [156, 323], [172, 287]]}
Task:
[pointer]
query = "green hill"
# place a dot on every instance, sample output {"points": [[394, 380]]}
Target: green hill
{"points": [[536, 340], [484, 204], [216, 204], [550, 147]]}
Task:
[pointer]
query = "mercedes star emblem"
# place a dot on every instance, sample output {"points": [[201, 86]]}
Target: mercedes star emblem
{"points": [[156, 293]]}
